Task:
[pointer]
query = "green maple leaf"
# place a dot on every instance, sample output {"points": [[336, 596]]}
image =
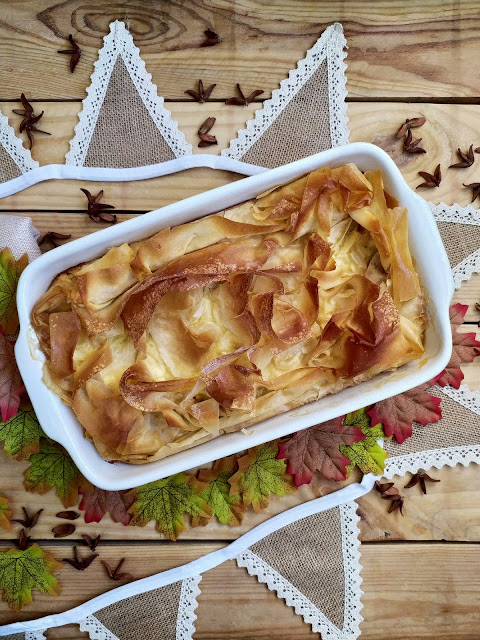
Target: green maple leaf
{"points": [[53, 467], [5, 513], [167, 501], [10, 271], [214, 488], [260, 474], [21, 434], [367, 454], [21, 571]]}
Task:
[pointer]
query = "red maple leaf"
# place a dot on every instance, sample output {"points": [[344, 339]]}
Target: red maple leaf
{"points": [[97, 502], [316, 449], [399, 412], [11, 384], [465, 348]]}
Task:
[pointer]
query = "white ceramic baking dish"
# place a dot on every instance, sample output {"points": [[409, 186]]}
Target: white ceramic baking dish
{"points": [[58, 420]]}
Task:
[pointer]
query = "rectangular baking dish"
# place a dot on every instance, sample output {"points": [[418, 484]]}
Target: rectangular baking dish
{"points": [[60, 423]]}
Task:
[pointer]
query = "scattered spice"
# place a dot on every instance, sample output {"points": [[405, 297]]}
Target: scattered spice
{"points": [[23, 541], [29, 521], [411, 146], [431, 180], [91, 542], [114, 573], [94, 210], [68, 515], [389, 492], [205, 138], [202, 95], [420, 478], [475, 187], [29, 120], [63, 530], [242, 100], [467, 159], [410, 123], [78, 562], [52, 237], [212, 38], [74, 52]]}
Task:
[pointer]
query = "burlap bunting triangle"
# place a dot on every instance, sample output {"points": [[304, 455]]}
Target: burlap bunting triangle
{"points": [[15, 160]]}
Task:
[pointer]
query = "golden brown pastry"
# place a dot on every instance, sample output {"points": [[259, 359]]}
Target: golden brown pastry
{"points": [[217, 324]]}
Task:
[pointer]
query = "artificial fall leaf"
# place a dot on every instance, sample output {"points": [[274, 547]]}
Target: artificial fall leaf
{"points": [[97, 502], [22, 571], [465, 349], [10, 271], [166, 501], [21, 434], [11, 384], [5, 513], [259, 474], [316, 449], [53, 467], [399, 412], [367, 454], [214, 488]]}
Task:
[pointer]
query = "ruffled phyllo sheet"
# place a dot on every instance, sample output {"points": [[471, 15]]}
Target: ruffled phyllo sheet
{"points": [[214, 325]]}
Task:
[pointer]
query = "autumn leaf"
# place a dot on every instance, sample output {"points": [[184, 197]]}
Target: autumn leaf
{"points": [[367, 454], [399, 412], [167, 501], [97, 502], [10, 271], [214, 488], [316, 449], [22, 571], [21, 434], [53, 467], [260, 474], [5, 513], [11, 384], [465, 349]]}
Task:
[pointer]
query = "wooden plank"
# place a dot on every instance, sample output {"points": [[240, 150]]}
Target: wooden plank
{"points": [[393, 50], [427, 591], [448, 127]]}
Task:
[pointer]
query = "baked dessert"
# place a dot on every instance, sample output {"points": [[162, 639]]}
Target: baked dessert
{"points": [[215, 325]]}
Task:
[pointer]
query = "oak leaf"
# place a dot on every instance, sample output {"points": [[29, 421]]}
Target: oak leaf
{"points": [[11, 384], [5, 513], [21, 434], [214, 488], [367, 454], [10, 271], [465, 349], [166, 501], [316, 449], [259, 474], [97, 502], [21, 571]]}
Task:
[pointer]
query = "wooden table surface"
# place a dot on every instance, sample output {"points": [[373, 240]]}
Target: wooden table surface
{"points": [[421, 572]]}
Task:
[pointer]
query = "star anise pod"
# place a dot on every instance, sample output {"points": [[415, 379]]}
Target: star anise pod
{"points": [[52, 237], [477, 150], [391, 493], [23, 541], [114, 573], [205, 138], [74, 52], [29, 119], [242, 100], [410, 123], [467, 159], [29, 521], [212, 38], [63, 530], [420, 478], [68, 515], [431, 180], [475, 187], [411, 146], [78, 562], [94, 210], [91, 542], [202, 95]]}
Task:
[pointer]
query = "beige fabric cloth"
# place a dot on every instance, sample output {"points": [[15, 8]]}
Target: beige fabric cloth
{"points": [[125, 134], [19, 235], [460, 240], [8, 168]]}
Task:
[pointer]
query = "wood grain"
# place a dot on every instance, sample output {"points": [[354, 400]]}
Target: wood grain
{"points": [[393, 51]]}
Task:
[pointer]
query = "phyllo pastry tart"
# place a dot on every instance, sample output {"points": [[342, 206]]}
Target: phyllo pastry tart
{"points": [[212, 326]]}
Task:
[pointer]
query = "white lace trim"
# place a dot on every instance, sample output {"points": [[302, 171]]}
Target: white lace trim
{"points": [[120, 42], [466, 268], [95, 629], [330, 45], [455, 213], [438, 458], [186, 608], [35, 635], [302, 605], [13, 145]]}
